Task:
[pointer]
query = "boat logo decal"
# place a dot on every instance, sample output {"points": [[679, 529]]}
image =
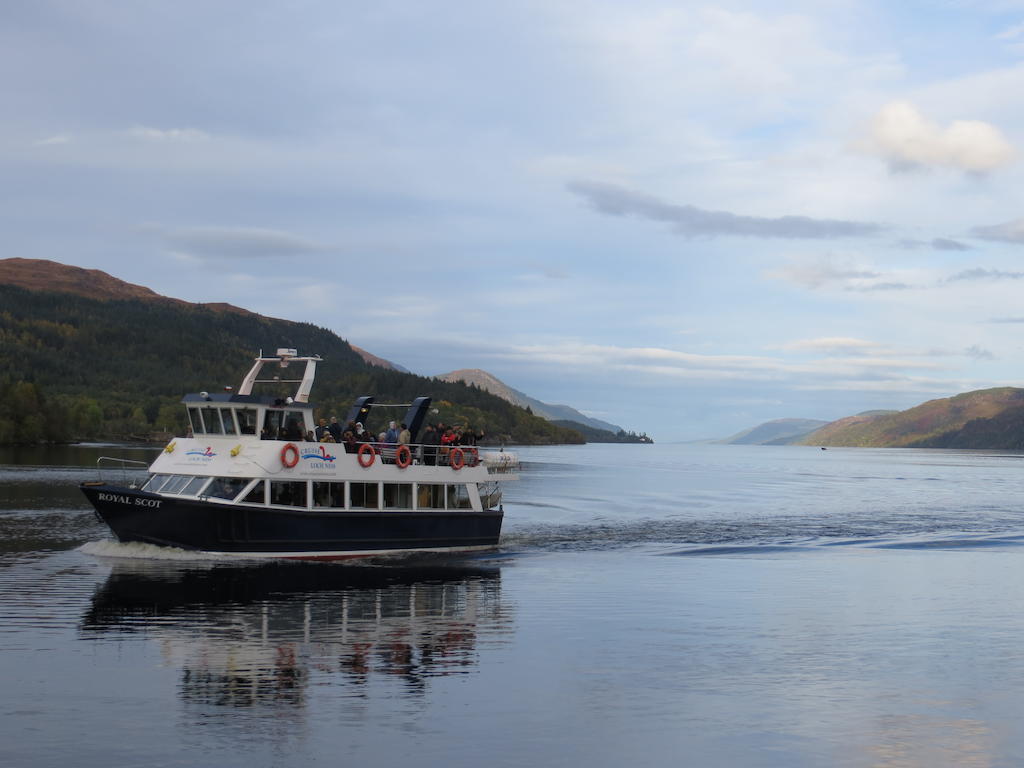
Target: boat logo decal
{"points": [[320, 457], [206, 453]]}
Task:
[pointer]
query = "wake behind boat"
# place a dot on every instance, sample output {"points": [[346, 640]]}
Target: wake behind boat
{"points": [[250, 480]]}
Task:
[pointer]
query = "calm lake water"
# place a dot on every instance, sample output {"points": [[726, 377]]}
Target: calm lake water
{"points": [[649, 605]]}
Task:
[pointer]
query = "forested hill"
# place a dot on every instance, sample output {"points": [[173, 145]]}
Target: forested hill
{"points": [[115, 363]]}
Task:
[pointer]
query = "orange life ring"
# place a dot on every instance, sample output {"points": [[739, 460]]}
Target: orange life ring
{"points": [[289, 450], [366, 450], [455, 458], [472, 456], [403, 457]]}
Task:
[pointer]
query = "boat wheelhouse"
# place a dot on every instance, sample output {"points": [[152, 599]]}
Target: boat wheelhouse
{"points": [[251, 480]]}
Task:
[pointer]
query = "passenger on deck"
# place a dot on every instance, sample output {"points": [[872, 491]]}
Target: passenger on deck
{"points": [[351, 444], [321, 429], [335, 429], [404, 436], [430, 443], [391, 436], [448, 439]]}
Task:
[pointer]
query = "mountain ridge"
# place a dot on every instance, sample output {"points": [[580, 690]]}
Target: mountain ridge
{"points": [[87, 356], [980, 419], [54, 277], [775, 432], [491, 383], [940, 420]]}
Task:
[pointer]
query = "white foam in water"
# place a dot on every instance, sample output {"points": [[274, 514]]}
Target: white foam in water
{"points": [[137, 551]]}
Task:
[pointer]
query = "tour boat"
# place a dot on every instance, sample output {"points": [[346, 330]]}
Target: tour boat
{"points": [[250, 481]]}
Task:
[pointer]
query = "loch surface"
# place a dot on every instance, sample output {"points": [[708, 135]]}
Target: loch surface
{"points": [[649, 605]]}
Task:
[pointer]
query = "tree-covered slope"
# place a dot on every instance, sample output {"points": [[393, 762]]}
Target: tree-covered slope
{"points": [[75, 366], [593, 435]]}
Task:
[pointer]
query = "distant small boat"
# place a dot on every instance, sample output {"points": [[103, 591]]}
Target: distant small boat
{"points": [[250, 481]]}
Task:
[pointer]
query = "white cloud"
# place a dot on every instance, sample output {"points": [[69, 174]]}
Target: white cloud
{"points": [[237, 242], [905, 139], [61, 138], [167, 135], [980, 273], [1011, 33], [831, 345], [674, 364], [691, 221], [826, 271], [1007, 232]]}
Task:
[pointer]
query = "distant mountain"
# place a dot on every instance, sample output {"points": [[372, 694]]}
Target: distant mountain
{"points": [[54, 277], [87, 356], [777, 432], [491, 383], [985, 418]]}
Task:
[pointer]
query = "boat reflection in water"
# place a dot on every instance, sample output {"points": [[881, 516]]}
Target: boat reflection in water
{"points": [[263, 635]]}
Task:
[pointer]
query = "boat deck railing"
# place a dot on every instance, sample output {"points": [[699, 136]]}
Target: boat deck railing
{"points": [[130, 471], [496, 462]]}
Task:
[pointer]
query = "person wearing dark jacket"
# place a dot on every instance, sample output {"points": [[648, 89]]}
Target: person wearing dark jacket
{"points": [[351, 445], [430, 442]]}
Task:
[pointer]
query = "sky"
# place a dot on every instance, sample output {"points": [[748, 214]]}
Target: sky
{"points": [[682, 218]]}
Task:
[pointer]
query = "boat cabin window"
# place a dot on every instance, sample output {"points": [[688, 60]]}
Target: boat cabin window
{"points": [[211, 421], [490, 495], [329, 495], [175, 483], [458, 497], [246, 420], [193, 486], [398, 496], [256, 495], [283, 425], [287, 493], [226, 487], [363, 496], [195, 422], [429, 496], [227, 416], [154, 483]]}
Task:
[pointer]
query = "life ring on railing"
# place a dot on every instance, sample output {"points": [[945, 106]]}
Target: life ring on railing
{"points": [[403, 457], [456, 458], [366, 450], [292, 451], [472, 456]]}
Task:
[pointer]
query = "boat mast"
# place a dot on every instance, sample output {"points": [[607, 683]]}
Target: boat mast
{"points": [[283, 358]]}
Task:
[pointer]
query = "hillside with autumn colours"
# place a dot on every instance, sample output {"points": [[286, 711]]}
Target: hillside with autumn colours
{"points": [[986, 418]]}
